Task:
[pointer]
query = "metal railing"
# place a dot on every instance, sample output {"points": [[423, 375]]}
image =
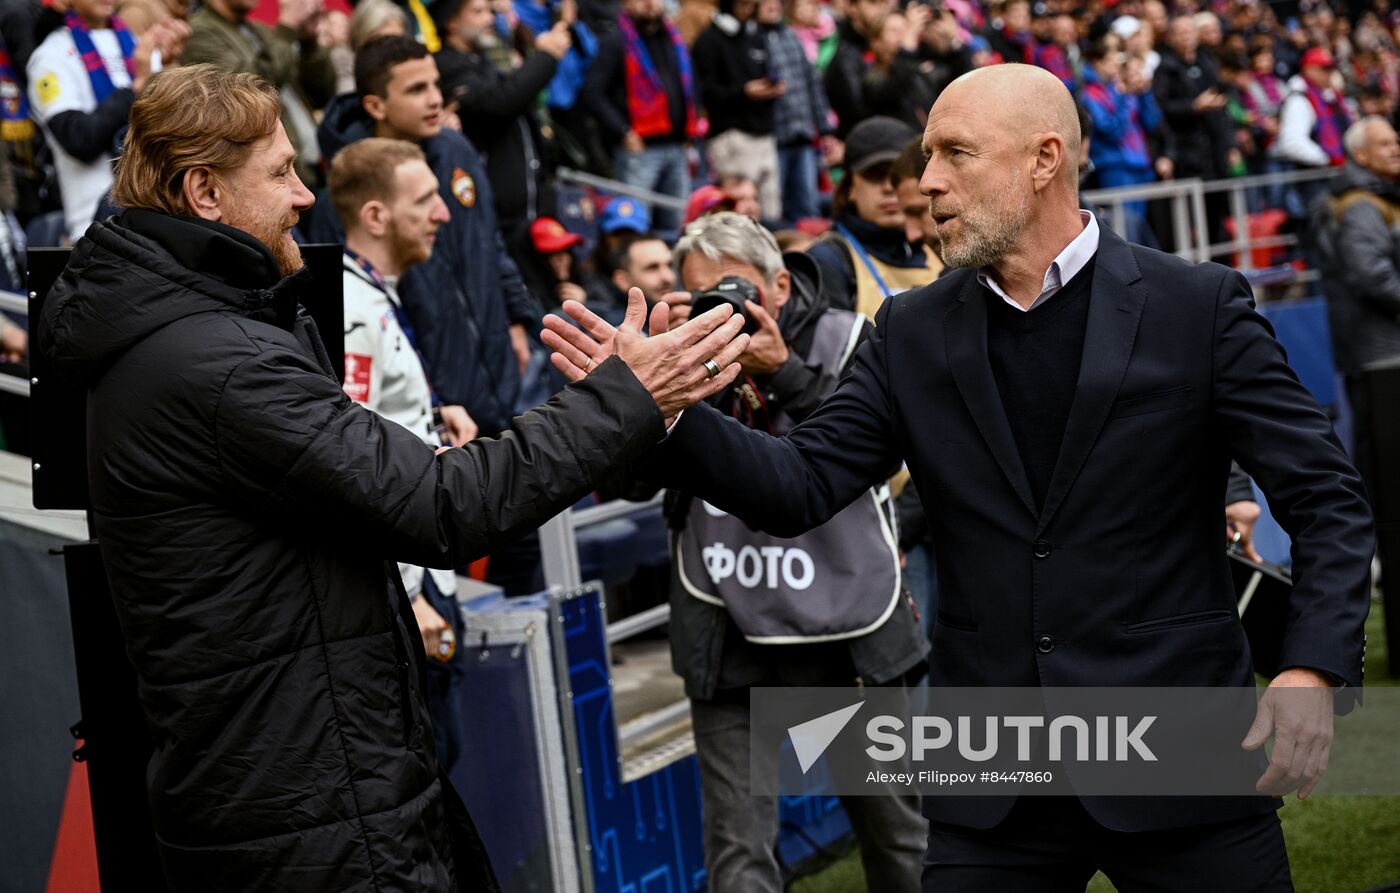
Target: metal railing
{"points": [[1190, 223], [14, 303], [1188, 211], [616, 187], [1190, 227]]}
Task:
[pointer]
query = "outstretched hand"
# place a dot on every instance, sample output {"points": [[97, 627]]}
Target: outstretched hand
{"points": [[669, 364]]}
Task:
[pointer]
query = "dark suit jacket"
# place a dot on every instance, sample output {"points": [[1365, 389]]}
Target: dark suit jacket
{"points": [[1121, 580]]}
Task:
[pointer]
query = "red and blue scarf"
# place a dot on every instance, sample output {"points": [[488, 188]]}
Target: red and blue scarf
{"points": [[1023, 41], [1332, 121], [1273, 88], [15, 125], [1133, 142], [1054, 59], [102, 85], [647, 103]]}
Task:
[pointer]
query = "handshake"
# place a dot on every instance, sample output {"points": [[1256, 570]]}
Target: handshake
{"points": [[679, 367]]}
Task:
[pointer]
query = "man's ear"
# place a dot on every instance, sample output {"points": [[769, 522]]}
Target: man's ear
{"points": [[621, 280], [782, 290], [374, 218], [375, 107], [1049, 160], [204, 193]]}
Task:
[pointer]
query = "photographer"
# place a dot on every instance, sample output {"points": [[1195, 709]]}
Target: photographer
{"points": [[833, 597]]}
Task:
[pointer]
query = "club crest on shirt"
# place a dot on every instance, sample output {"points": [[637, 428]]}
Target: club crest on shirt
{"points": [[464, 187]]}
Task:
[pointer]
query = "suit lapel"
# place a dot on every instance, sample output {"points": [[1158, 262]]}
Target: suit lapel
{"points": [[1115, 309], [965, 334]]}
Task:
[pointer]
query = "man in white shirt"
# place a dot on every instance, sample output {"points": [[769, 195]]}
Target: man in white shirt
{"points": [[387, 199], [82, 81]]}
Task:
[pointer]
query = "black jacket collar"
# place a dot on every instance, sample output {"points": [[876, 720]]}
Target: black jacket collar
{"points": [[213, 249]]}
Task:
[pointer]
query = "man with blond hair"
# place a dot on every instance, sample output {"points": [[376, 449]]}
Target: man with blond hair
{"points": [[1058, 366], [250, 513], [387, 200]]}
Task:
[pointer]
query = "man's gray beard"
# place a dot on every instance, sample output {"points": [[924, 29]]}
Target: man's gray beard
{"points": [[484, 41], [989, 232]]}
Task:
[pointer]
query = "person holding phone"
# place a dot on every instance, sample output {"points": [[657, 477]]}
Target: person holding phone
{"points": [[1186, 85], [740, 89]]}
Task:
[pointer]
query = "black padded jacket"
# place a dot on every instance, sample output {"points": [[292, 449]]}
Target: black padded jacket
{"points": [[249, 514]]}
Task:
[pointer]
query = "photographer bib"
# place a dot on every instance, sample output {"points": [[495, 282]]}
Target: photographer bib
{"points": [[839, 581]]}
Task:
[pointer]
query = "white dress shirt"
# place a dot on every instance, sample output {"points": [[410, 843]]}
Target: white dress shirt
{"points": [[1063, 268]]}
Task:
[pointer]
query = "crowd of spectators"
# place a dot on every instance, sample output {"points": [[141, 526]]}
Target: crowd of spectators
{"points": [[748, 105]]}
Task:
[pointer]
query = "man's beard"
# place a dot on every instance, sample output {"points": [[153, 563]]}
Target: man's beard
{"points": [[481, 40], [988, 231], [273, 234], [406, 250], [648, 25]]}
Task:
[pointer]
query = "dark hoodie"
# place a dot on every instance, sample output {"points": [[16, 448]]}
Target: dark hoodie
{"points": [[798, 388], [463, 299], [1360, 267], [248, 514]]}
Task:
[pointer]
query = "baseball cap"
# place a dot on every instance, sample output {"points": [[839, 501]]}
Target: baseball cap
{"points": [[624, 213], [549, 236], [876, 141], [1319, 58], [707, 200]]}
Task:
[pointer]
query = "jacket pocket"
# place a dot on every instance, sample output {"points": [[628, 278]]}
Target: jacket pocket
{"points": [[1158, 401], [1179, 621], [959, 623]]}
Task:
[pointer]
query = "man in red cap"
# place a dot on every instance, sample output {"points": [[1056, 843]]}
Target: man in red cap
{"points": [[706, 200], [555, 275], [1314, 117], [550, 237]]}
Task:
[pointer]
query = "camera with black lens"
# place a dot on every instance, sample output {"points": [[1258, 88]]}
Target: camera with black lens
{"points": [[731, 290]]}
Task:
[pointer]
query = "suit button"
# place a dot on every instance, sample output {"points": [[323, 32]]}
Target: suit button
{"points": [[1042, 549], [1045, 644]]}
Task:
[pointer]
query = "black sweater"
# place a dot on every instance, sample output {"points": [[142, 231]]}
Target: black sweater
{"points": [[1035, 359]]}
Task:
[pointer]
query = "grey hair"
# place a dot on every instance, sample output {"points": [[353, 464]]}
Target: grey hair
{"points": [[726, 235], [372, 15], [1358, 134]]}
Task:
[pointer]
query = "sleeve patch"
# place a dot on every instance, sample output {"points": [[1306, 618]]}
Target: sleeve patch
{"points": [[357, 372], [46, 88]]}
